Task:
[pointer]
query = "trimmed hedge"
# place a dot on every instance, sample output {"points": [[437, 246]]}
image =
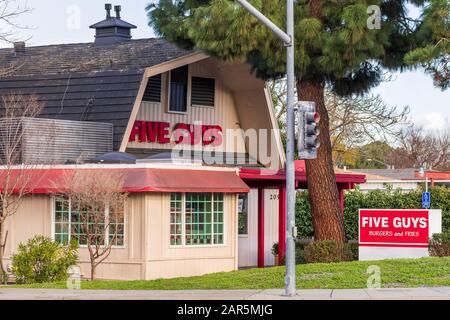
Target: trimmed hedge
{"points": [[376, 199], [440, 245], [327, 251]]}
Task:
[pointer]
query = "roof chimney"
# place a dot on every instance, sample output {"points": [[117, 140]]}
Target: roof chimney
{"points": [[108, 8], [19, 47], [117, 9], [112, 30]]}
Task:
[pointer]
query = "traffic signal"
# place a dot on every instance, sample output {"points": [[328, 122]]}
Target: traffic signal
{"points": [[308, 130]]}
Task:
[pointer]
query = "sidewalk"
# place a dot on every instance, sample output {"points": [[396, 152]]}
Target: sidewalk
{"points": [[434, 293]]}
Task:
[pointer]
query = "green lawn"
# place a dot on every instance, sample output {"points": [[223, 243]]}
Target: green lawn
{"points": [[394, 273]]}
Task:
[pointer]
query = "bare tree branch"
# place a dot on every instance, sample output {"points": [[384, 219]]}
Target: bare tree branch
{"points": [[98, 198], [10, 10], [354, 120], [357, 120], [419, 148], [17, 177]]}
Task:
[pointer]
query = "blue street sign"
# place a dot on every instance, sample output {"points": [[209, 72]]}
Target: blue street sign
{"points": [[426, 200]]}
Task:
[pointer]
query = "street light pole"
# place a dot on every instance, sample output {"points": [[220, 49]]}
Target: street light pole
{"points": [[288, 39], [290, 164], [423, 172]]}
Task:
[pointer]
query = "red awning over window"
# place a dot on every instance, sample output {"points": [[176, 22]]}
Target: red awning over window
{"points": [[175, 180], [44, 181]]}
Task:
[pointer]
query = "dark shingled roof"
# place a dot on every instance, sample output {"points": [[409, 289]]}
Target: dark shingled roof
{"points": [[83, 81]]}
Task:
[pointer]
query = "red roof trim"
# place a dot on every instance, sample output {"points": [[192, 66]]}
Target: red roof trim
{"points": [[300, 175]]}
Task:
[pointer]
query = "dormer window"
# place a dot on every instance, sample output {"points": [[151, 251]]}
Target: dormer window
{"points": [[178, 88]]}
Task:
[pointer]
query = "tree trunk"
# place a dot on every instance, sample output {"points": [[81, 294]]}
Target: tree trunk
{"points": [[92, 270], [3, 274], [327, 217], [91, 259]]}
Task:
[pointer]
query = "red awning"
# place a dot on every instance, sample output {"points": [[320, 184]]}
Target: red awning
{"points": [[45, 181], [433, 175], [270, 177], [341, 177]]}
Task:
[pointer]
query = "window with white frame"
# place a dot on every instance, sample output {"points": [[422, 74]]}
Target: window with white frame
{"points": [[196, 219], [178, 87], [243, 214], [70, 223]]}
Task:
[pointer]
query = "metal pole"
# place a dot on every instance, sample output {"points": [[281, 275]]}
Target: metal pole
{"points": [[290, 164], [265, 21], [288, 39]]}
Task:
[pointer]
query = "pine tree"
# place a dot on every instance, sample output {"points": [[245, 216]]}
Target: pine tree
{"points": [[337, 43], [435, 56]]}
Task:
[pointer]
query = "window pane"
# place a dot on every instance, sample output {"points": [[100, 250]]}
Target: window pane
{"points": [[218, 219], [175, 219], [204, 224], [88, 223], [61, 223], [243, 214], [117, 224], [58, 238], [198, 219], [178, 89]]}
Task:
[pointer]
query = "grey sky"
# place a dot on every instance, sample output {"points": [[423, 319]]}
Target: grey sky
{"points": [[68, 21]]}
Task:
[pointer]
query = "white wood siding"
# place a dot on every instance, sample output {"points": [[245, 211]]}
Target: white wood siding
{"points": [[270, 224], [248, 244], [223, 113]]}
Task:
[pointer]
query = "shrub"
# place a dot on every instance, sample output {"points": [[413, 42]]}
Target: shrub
{"points": [[327, 251], [42, 260], [275, 248], [353, 248], [303, 218], [300, 252], [439, 245]]}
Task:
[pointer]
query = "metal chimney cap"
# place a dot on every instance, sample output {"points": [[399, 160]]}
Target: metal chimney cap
{"points": [[108, 7], [117, 9], [19, 46]]}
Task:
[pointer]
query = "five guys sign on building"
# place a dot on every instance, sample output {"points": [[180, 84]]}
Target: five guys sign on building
{"points": [[160, 132], [390, 233]]}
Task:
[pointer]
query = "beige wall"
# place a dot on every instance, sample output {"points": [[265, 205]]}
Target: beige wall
{"points": [[147, 253], [165, 261], [33, 217]]}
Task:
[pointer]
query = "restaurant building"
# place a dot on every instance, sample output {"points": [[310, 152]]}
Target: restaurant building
{"points": [[195, 139]]}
